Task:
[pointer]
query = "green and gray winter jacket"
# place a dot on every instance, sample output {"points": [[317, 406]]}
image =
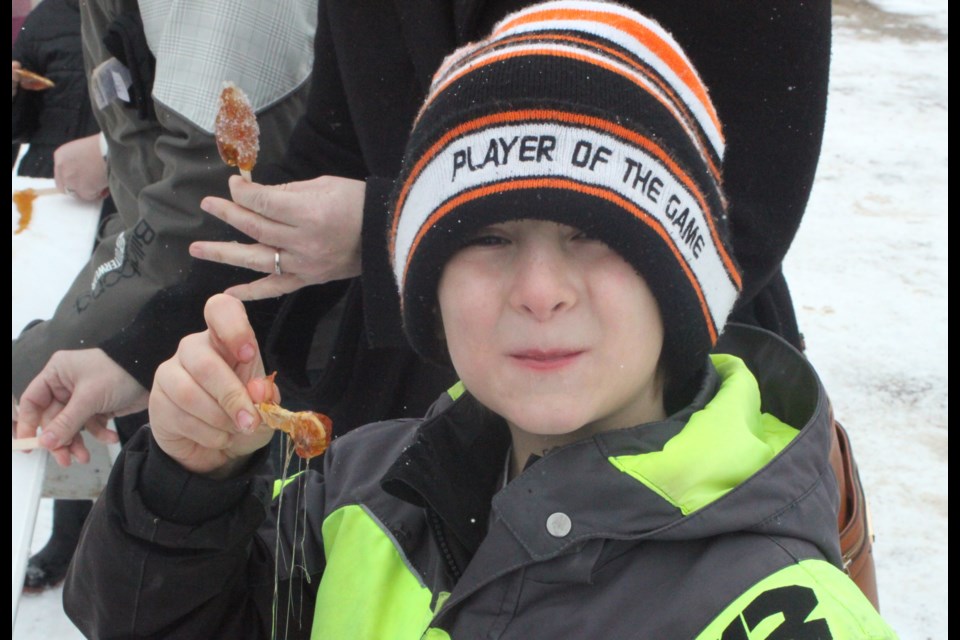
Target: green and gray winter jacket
{"points": [[717, 522]]}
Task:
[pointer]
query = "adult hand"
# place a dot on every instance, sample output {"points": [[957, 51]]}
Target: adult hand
{"points": [[313, 224], [80, 170], [202, 410], [76, 389]]}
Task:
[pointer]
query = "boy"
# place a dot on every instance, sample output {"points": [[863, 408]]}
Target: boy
{"points": [[559, 237]]}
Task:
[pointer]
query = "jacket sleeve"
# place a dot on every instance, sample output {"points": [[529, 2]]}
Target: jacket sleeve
{"points": [[325, 142], [767, 69], [25, 107], [810, 599], [141, 292], [169, 554]]}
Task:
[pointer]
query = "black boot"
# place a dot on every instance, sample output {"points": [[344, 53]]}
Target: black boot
{"points": [[48, 567]]}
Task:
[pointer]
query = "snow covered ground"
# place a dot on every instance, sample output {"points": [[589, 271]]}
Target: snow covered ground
{"points": [[868, 272]]}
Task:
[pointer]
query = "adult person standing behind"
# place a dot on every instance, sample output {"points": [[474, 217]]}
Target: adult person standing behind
{"points": [[141, 292], [766, 66]]}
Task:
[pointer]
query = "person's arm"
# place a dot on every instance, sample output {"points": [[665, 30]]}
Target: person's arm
{"points": [[141, 291], [172, 548], [25, 105], [77, 388], [325, 143], [767, 68], [170, 554], [306, 233]]}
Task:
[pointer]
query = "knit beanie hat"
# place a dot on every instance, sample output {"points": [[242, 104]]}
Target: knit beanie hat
{"points": [[588, 114]]}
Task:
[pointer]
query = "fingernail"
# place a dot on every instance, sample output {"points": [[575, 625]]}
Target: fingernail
{"points": [[49, 441], [205, 205], [245, 421], [246, 352]]}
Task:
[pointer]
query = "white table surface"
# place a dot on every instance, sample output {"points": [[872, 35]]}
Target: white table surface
{"points": [[46, 257]]}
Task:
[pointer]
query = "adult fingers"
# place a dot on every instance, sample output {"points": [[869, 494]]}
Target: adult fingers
{"points": [[33, 402], [272, 203], [256, 257], [66, 424], [97, 427], [77, 448], [64, 455], [248, 222], [58, 178], [269, 287]]}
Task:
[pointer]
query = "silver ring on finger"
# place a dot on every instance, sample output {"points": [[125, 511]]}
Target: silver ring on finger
{"points": [[276, 262]]}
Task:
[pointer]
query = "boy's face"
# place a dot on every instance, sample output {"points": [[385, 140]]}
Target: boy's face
{"points": [[552, 330]]}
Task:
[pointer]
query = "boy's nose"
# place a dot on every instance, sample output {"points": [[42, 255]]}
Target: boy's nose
{"points": [[543, 283]]}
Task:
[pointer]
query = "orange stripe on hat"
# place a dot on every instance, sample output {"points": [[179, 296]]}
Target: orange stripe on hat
{"points": [[662, 49]]}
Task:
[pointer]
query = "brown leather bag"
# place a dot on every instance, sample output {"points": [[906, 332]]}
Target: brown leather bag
{"points": [[856, 532]]}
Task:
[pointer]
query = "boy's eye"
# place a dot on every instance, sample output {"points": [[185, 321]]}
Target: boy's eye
{"points": [[485, 240], [583, 236]]}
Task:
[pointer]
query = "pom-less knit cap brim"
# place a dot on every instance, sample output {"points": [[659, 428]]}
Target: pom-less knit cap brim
{"points": [[583, 113]]}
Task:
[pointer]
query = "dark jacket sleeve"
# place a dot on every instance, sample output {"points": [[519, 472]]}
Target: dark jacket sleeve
{"points": [[355, 127], [170, 554], [767, 68], [26, 104], [141, 291], [50, 44]]}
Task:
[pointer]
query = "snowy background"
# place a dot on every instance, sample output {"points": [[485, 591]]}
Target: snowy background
{"points": [[868, 272]]}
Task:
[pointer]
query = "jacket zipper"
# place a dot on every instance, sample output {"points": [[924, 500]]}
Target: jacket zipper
{"points": [[437, 525]]}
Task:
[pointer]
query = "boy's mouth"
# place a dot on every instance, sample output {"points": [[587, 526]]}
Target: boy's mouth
{"points": [[543, 360]]}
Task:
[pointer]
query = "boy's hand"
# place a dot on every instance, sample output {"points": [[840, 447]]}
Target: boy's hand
{"points": [[202, 406]]}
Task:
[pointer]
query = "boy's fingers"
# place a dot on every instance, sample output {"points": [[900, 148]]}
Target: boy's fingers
{"points": [[230, 329], [262, 390], [210, 388]]}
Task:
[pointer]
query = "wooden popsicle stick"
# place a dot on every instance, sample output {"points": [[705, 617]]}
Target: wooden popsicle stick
{"points": [[22, 444], [246, 175], [47, 191]]}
